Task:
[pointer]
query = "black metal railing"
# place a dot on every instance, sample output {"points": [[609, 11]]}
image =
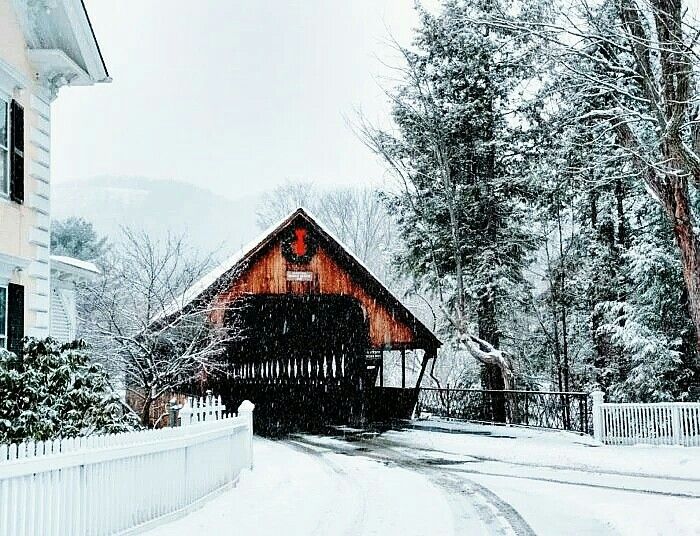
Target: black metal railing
{"points": [[546, 409]]}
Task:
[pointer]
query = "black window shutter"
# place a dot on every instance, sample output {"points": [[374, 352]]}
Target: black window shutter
{"points": [[16, 152], [15, 317]]}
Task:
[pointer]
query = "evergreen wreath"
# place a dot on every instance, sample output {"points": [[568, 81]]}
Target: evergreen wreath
{"points": [[290, 245]]}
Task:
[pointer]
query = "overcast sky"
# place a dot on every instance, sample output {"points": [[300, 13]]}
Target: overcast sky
{"points": [[233, 95]]}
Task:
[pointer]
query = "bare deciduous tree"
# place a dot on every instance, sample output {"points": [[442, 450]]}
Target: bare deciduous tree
{"points": [[141, 323], [279, 202], [356, 216]]}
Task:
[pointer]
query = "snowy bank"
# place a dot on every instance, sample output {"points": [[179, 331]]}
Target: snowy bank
{"points": [[557, 449]]}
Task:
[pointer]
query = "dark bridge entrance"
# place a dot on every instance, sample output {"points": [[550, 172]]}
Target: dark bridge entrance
{"points": [[301, 359], [315, 325]]}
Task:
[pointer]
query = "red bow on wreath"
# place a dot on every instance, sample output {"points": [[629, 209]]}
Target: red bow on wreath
{"points": [[299, 246]]}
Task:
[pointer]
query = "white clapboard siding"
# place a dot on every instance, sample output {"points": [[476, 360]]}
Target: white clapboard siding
{"points": [[60, 322], [118, 484], [663, 423]]}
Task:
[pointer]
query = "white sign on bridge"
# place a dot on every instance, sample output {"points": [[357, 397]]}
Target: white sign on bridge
{"points": [[300, 276]]}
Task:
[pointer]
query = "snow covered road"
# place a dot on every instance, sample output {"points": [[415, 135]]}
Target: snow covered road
{"points": [[448, 479], [296, 491]]}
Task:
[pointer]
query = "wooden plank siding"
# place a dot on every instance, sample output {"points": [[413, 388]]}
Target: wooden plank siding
{"points": [[324, 351], [267, 274]]}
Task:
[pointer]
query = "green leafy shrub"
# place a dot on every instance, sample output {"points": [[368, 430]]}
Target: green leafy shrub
{"points": [[53, 390]]}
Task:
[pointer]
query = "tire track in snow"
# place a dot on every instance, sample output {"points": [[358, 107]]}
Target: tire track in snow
{"points": [[499, 516], [582, 469], [643, 491], [495, 514], [397, 447], [330, 517]]}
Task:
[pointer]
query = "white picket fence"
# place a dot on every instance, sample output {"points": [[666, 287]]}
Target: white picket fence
{"points": [[122, 483], [663, 423], [201, 409]]}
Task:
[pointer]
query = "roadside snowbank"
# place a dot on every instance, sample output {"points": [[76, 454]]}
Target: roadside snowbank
{"points": [[547, 448]]}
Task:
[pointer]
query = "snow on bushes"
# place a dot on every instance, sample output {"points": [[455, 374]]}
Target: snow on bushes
{"points": [[54, 390]]}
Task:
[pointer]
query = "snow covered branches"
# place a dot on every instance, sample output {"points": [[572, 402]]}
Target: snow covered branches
{"points": [[543, 152], [55, 390], [633, 66], [459, 188], [139, 319], [485, 353]]}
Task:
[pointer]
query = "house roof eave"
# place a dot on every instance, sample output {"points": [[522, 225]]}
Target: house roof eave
{"points": [[61, 26]]}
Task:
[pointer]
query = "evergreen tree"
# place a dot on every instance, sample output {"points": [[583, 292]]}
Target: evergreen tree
{"points": [[53, 391], [76, 237], [651, 329], [458, 152]]}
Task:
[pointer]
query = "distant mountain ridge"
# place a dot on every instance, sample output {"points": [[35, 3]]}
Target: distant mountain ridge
{"points": [[210, 222]]}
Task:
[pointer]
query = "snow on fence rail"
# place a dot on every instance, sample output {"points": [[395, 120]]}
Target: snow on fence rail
{"points": [[663, 423], [121, 483]]}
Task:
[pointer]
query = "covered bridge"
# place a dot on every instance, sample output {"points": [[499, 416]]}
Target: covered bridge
{"points": [[316, 329]]}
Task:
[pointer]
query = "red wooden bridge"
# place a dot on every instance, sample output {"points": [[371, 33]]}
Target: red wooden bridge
{"points": [[316, 326]]}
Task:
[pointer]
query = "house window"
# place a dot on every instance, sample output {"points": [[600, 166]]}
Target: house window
{"points": [[3, 317], [4, 148]]}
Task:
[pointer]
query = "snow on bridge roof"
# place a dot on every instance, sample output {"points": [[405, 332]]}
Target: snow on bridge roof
{"points": [[208, 283]]}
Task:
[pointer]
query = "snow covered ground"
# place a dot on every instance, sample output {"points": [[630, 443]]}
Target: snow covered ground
{"points": [[562, 483], [454, 478], [550, 447], [293, 492]]}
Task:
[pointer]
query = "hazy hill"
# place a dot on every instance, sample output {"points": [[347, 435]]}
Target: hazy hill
{"points": [[210, 221]]}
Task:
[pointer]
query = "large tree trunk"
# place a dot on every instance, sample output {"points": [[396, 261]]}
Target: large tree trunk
{"points": [[146, 412], [497, 371], [677, 204], [492, 374], [672, 192], [487, 354]]}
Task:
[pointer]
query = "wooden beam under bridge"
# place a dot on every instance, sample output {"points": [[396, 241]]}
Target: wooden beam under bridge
{"points": [[381, 368], [430, 353], [403, 368]]}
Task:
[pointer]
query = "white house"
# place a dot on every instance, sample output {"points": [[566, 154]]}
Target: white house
{"points": [[44, 45]]}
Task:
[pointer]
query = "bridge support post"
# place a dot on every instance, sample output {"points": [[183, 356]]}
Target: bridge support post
{"points": [[430, 353], [403, 368], [381, 368]]}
